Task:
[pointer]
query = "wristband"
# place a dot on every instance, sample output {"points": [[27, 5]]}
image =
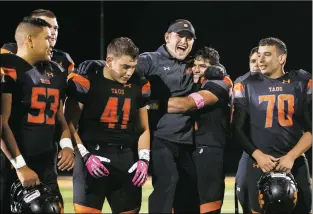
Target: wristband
{"points": [[66, 142], [18, 162], [144, 154], [199, 100], [82, 150]]}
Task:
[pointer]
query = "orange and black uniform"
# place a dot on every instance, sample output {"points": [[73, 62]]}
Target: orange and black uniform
{"points": [[107, 127], [211, 136], [276, 112], [36, 94]]}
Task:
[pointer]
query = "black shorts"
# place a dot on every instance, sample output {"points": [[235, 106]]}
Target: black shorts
{"points": [[44, 165], [209, 163], [300, 171], [118, 188]]}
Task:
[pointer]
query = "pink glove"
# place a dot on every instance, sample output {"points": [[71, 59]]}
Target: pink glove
{"points": [[94, 165], [141, 172]]}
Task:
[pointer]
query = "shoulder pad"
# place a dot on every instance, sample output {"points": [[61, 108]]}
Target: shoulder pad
{"points": [[243, 77], [43, 65], [59, 55], [9, 48], [302, 74], [13, 61]]}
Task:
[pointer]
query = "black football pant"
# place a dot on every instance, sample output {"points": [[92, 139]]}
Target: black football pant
{"points": [[173, 178]]}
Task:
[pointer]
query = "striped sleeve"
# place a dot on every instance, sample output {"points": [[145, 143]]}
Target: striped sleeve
{"points": [[77, 87], [239, 95]]}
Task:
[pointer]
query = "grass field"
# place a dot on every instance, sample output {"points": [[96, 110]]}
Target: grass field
{"points": [[67, 192]]}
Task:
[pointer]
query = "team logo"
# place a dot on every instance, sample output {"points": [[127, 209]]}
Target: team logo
{"points": [[254, 165], [49, 74], [185, 25], [286, 81], [127, 85]]}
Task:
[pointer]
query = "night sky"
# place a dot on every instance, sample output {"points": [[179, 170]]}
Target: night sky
{"points": [[233, 28]]}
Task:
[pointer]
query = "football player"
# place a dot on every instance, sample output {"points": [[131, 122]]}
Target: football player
{"points": [[211, 99], [31, 103], [58, 56], [272, 122], [241, 175], [107, 104]]}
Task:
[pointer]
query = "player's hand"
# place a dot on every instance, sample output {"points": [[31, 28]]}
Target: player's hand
{"points": [[266, 162], [95, 166], [141, 167], [66, 159], [285, 163], [27, 177], [89, 65]]}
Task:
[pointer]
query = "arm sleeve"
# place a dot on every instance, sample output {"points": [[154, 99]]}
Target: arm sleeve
{"points": [[241, 120], [220, 88], [77, 87]]}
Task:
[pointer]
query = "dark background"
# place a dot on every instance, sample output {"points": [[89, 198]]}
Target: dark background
{"points": [[233, 28]]}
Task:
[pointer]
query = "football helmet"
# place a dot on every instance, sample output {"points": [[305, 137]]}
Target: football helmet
{"points": [[277, 192], [37, 199]]}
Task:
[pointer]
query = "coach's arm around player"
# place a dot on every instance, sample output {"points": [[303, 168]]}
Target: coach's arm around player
{"points": [[215, 84]]}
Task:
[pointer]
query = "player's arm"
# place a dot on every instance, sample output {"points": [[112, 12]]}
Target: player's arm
{"points": [[27, 176], [66, 155], [241, 120], [212, 91], [78, 88], [141, 166], [304, 144]]}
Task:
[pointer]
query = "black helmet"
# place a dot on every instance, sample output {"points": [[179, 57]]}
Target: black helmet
{"points": [[277, 192], [37, 199]]}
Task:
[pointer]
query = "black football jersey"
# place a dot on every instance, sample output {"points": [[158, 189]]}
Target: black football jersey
{"points": [[36, 93], [277, 109], [213, 121], [110, 112]]}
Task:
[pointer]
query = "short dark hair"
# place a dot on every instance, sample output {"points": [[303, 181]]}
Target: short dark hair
{"points": [[123, 46], [271, 41], [35, 22], [29, 25], [208, 53], [253, 50], [42, 12]]}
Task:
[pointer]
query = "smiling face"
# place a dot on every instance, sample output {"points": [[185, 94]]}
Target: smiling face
{"points": [[270, 60], [179, 44]]}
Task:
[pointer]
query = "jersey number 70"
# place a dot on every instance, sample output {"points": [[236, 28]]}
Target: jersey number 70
{"points": [[283, 119]]}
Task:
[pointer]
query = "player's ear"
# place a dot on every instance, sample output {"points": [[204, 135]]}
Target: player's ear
{"points": [[29, 40], [109, 61], [282, 59], [166, 37]]}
